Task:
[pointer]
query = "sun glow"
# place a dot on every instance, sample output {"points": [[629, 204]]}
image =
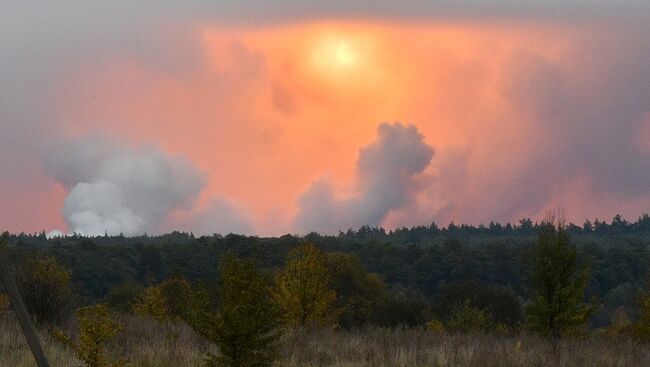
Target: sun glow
{"points": [[337, 53]]}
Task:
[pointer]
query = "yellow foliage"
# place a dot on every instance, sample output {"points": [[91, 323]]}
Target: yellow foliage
{"points": [[303, 290], [436, 326], [96, 328], [619, 325], [4, 302], [642, 327], [152, 303]]}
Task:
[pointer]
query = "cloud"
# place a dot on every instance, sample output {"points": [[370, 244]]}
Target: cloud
{"points": [[577, 142], [386, 172], [119, 189]]}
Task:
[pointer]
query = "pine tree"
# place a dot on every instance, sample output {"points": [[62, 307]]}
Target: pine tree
{"points": [[559, 286], [245, 327]]}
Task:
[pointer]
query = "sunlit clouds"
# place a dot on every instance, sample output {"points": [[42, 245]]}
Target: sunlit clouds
{"points": [[522, 116]]}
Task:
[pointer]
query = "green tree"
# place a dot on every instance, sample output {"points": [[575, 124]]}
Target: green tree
{"points": [[245, 327], [178, 294], [45, 287], [123, 297], [558, 306], [97, 327], [359, 294], [303, 287]]}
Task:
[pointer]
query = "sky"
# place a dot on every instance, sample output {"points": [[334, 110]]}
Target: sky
{"points": [[297, 116]]}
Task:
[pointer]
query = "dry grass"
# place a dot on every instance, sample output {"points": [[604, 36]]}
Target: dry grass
{"points": [[148, 343]]}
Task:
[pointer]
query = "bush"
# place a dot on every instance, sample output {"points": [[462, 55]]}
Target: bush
{"points": [[45, 287], [468, 319], [500, 304], [97, 327], [152, 303], [166, 301], [436, 326], [123, 297]]}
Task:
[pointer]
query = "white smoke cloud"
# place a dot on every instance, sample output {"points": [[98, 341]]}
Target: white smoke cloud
{"points": [[117, 189], [386, 172]]}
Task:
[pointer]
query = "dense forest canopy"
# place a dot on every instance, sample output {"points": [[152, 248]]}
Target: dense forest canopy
{"points": [[415, 263]]}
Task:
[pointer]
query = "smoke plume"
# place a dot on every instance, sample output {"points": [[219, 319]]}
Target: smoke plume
{"points": [[386, 171], [117, 189]]}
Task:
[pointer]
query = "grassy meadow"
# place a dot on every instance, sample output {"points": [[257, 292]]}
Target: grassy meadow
{"points": [[146, 342]]}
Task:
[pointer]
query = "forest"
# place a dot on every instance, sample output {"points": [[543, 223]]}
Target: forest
{"points": [[458, 280]]}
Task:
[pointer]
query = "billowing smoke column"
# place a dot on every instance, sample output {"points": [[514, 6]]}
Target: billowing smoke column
{"points": [[117, 189], [386, 171]]}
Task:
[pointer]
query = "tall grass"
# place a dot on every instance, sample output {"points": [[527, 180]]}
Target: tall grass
{"points": [[150, 343]]}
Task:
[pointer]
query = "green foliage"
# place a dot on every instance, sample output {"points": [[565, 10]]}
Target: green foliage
{"points": [[303, 290], [402, 307], [468, 319], [165, 301], [559, 286], [359, 294], [45, 287], [152, 303], [123, 297], [178, 295], [500, 304], [245, 327], [97, 327]]}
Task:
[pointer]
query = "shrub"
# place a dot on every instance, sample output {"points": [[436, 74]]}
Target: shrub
{"points": [[436, 326], [152, 303], [45, 287], [123, 297], [468, 319], [501, 304], [166, 301], [97, 326]]}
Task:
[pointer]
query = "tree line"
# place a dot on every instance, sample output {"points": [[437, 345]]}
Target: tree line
{"points": [[242, 292]]}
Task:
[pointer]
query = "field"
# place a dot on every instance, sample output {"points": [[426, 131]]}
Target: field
{"points": [[149, 343]]}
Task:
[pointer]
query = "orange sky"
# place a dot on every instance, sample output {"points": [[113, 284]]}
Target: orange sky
{"points": [[266, 111]]}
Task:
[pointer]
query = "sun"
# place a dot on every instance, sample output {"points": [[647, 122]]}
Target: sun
{"points": [[337, 54], [345, 54]]}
